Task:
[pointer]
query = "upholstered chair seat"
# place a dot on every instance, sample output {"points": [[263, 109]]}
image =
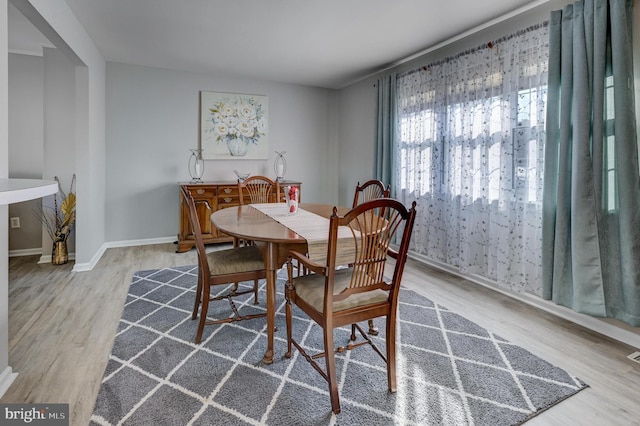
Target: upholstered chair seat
{"points": [[310, 288], [240, 259]]}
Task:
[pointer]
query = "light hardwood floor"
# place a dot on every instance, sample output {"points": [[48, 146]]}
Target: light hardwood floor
{"points": [[62, 325]]}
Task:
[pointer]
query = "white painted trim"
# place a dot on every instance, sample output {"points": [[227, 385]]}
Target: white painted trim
{"points": [[145, 242], [6, 379], [592, 323], [25, 252], [83, 267]]}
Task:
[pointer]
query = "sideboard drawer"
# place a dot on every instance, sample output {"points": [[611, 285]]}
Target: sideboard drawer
{"points": [[228, 191], [227, 202], [202, 192], [228, 196]]}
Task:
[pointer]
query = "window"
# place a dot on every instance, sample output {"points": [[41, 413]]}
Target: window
{"points": [[470, 151]]}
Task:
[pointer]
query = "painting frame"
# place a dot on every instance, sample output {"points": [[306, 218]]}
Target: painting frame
{"points": [[234, 126]]}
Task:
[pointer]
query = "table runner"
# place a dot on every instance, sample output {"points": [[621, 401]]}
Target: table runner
{"points": [[313, 228]]}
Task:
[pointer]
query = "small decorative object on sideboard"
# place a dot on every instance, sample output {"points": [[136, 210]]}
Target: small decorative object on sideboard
{"points": [[241, 176], [196, 166], [280, 166]]}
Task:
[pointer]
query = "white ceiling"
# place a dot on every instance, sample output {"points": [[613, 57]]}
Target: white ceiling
{"points": [[325, 43]]}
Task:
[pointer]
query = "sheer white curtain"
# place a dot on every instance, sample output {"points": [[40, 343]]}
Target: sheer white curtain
{"points": [[470, 151]]}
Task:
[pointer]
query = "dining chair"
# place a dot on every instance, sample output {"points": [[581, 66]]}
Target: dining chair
{"points": [[260, 189], [334, 296], [370, 190], [222, 267]]}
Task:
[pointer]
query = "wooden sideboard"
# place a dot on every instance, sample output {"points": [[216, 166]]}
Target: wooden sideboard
{"points": [[209, 197]]}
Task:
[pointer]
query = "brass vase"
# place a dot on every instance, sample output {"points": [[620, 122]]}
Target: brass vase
{"points": [[59, 256]]}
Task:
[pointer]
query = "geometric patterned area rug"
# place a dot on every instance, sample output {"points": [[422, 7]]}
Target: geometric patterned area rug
{"points": [[450, 370]]}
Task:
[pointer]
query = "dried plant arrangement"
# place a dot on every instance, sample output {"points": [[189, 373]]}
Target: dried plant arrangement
{"points": [[59, 219]]}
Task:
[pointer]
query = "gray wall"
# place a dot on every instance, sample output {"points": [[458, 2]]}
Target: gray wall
{"points": [[357, 106], [26, 80], [59, 130], [152, 123], [42, 115], [59, 25]]}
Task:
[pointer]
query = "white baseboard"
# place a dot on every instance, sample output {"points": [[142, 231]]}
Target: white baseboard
{"points": [[6, 378], [592, 323], [83, 267], [25, 252], [145, 242]]}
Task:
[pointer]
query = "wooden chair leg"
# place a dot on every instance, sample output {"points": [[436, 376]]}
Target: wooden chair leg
{"points": [[203, 312], [255, 292], [372, 328], [391, 353], [196, 304], [330, 360], [288, 315]]}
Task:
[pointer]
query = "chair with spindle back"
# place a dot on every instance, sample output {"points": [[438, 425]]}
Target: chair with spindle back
{"points": [[370, 190], [260, 189], [334, 296]]}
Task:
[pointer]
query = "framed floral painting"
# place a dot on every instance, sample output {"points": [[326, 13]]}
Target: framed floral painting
{"points": [[233, 126]]}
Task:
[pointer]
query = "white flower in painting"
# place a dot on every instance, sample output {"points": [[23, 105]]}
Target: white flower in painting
{"points": [[230, 121], [221, 129], [247, 129], [228, 111], [247, 112], [261, 127]]}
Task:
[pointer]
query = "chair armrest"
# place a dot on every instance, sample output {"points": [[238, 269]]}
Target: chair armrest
{"points": [[308, 263]]}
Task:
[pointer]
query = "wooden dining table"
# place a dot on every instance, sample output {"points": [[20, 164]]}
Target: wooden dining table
{"points": [[275, 240]]}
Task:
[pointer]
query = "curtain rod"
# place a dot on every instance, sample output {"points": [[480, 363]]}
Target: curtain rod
{"points": [[489, 45], [453, 39]]}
